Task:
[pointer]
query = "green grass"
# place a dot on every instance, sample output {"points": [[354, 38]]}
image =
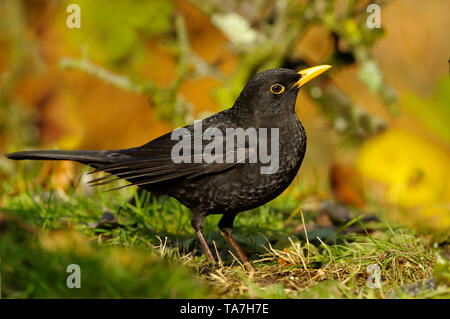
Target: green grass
{"points": [[151, 251]]}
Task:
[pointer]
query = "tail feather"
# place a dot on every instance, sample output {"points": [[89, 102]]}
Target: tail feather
{"points": [[93, 158]]}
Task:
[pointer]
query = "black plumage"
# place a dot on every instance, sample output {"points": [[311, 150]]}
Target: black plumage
{"points": [[267, 101]]}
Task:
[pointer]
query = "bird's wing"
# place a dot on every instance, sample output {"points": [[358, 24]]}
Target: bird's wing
{"points": [[153, 163]]}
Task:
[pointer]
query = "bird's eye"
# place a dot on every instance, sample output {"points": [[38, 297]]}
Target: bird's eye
{"points": [[277, 88]]}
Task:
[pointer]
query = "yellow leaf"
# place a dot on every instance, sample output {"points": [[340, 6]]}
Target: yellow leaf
{"points": [[415, 173]]}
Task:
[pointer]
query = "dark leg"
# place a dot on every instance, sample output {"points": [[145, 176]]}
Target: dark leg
{"points": [[197, 224], [226, 228]]}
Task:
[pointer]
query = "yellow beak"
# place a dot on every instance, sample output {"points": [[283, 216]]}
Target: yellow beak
{"points": [[310, 73]]}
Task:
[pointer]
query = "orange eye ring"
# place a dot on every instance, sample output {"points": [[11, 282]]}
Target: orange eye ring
{"points": [[277, 88]]}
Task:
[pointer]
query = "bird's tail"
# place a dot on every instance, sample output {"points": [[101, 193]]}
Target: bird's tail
{"points": [[92, 158]]}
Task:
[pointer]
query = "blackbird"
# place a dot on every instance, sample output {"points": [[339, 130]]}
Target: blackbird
{"points": [[227, 187]]}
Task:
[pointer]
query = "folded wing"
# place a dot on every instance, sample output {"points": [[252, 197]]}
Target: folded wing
{"points": [[153, 163]]}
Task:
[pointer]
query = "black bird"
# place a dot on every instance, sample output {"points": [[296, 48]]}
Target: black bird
{"points": [[227, 187]]}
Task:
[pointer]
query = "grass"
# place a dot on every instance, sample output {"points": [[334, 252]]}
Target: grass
{"points": [[149, 250]]}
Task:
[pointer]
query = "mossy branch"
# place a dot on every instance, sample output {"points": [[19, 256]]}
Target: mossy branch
{"points": [[170, 105], [121, 81]]}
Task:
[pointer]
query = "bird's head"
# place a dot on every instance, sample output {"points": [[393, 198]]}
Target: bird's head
{"points": [[275, 91]]}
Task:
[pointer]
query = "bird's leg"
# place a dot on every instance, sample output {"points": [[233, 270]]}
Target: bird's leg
{"points": [[226, 228], [197, 224]]}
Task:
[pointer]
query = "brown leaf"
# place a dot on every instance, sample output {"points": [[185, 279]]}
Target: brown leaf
{"points": [[346, 185]]}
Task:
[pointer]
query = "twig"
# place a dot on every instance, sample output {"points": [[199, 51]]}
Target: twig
{"points": [[118, 80]]}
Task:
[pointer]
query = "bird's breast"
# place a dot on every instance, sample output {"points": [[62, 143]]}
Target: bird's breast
{"points": [[246, 186]]}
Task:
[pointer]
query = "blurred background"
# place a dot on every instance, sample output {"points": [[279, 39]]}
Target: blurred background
{"points": [[378, 123]]}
